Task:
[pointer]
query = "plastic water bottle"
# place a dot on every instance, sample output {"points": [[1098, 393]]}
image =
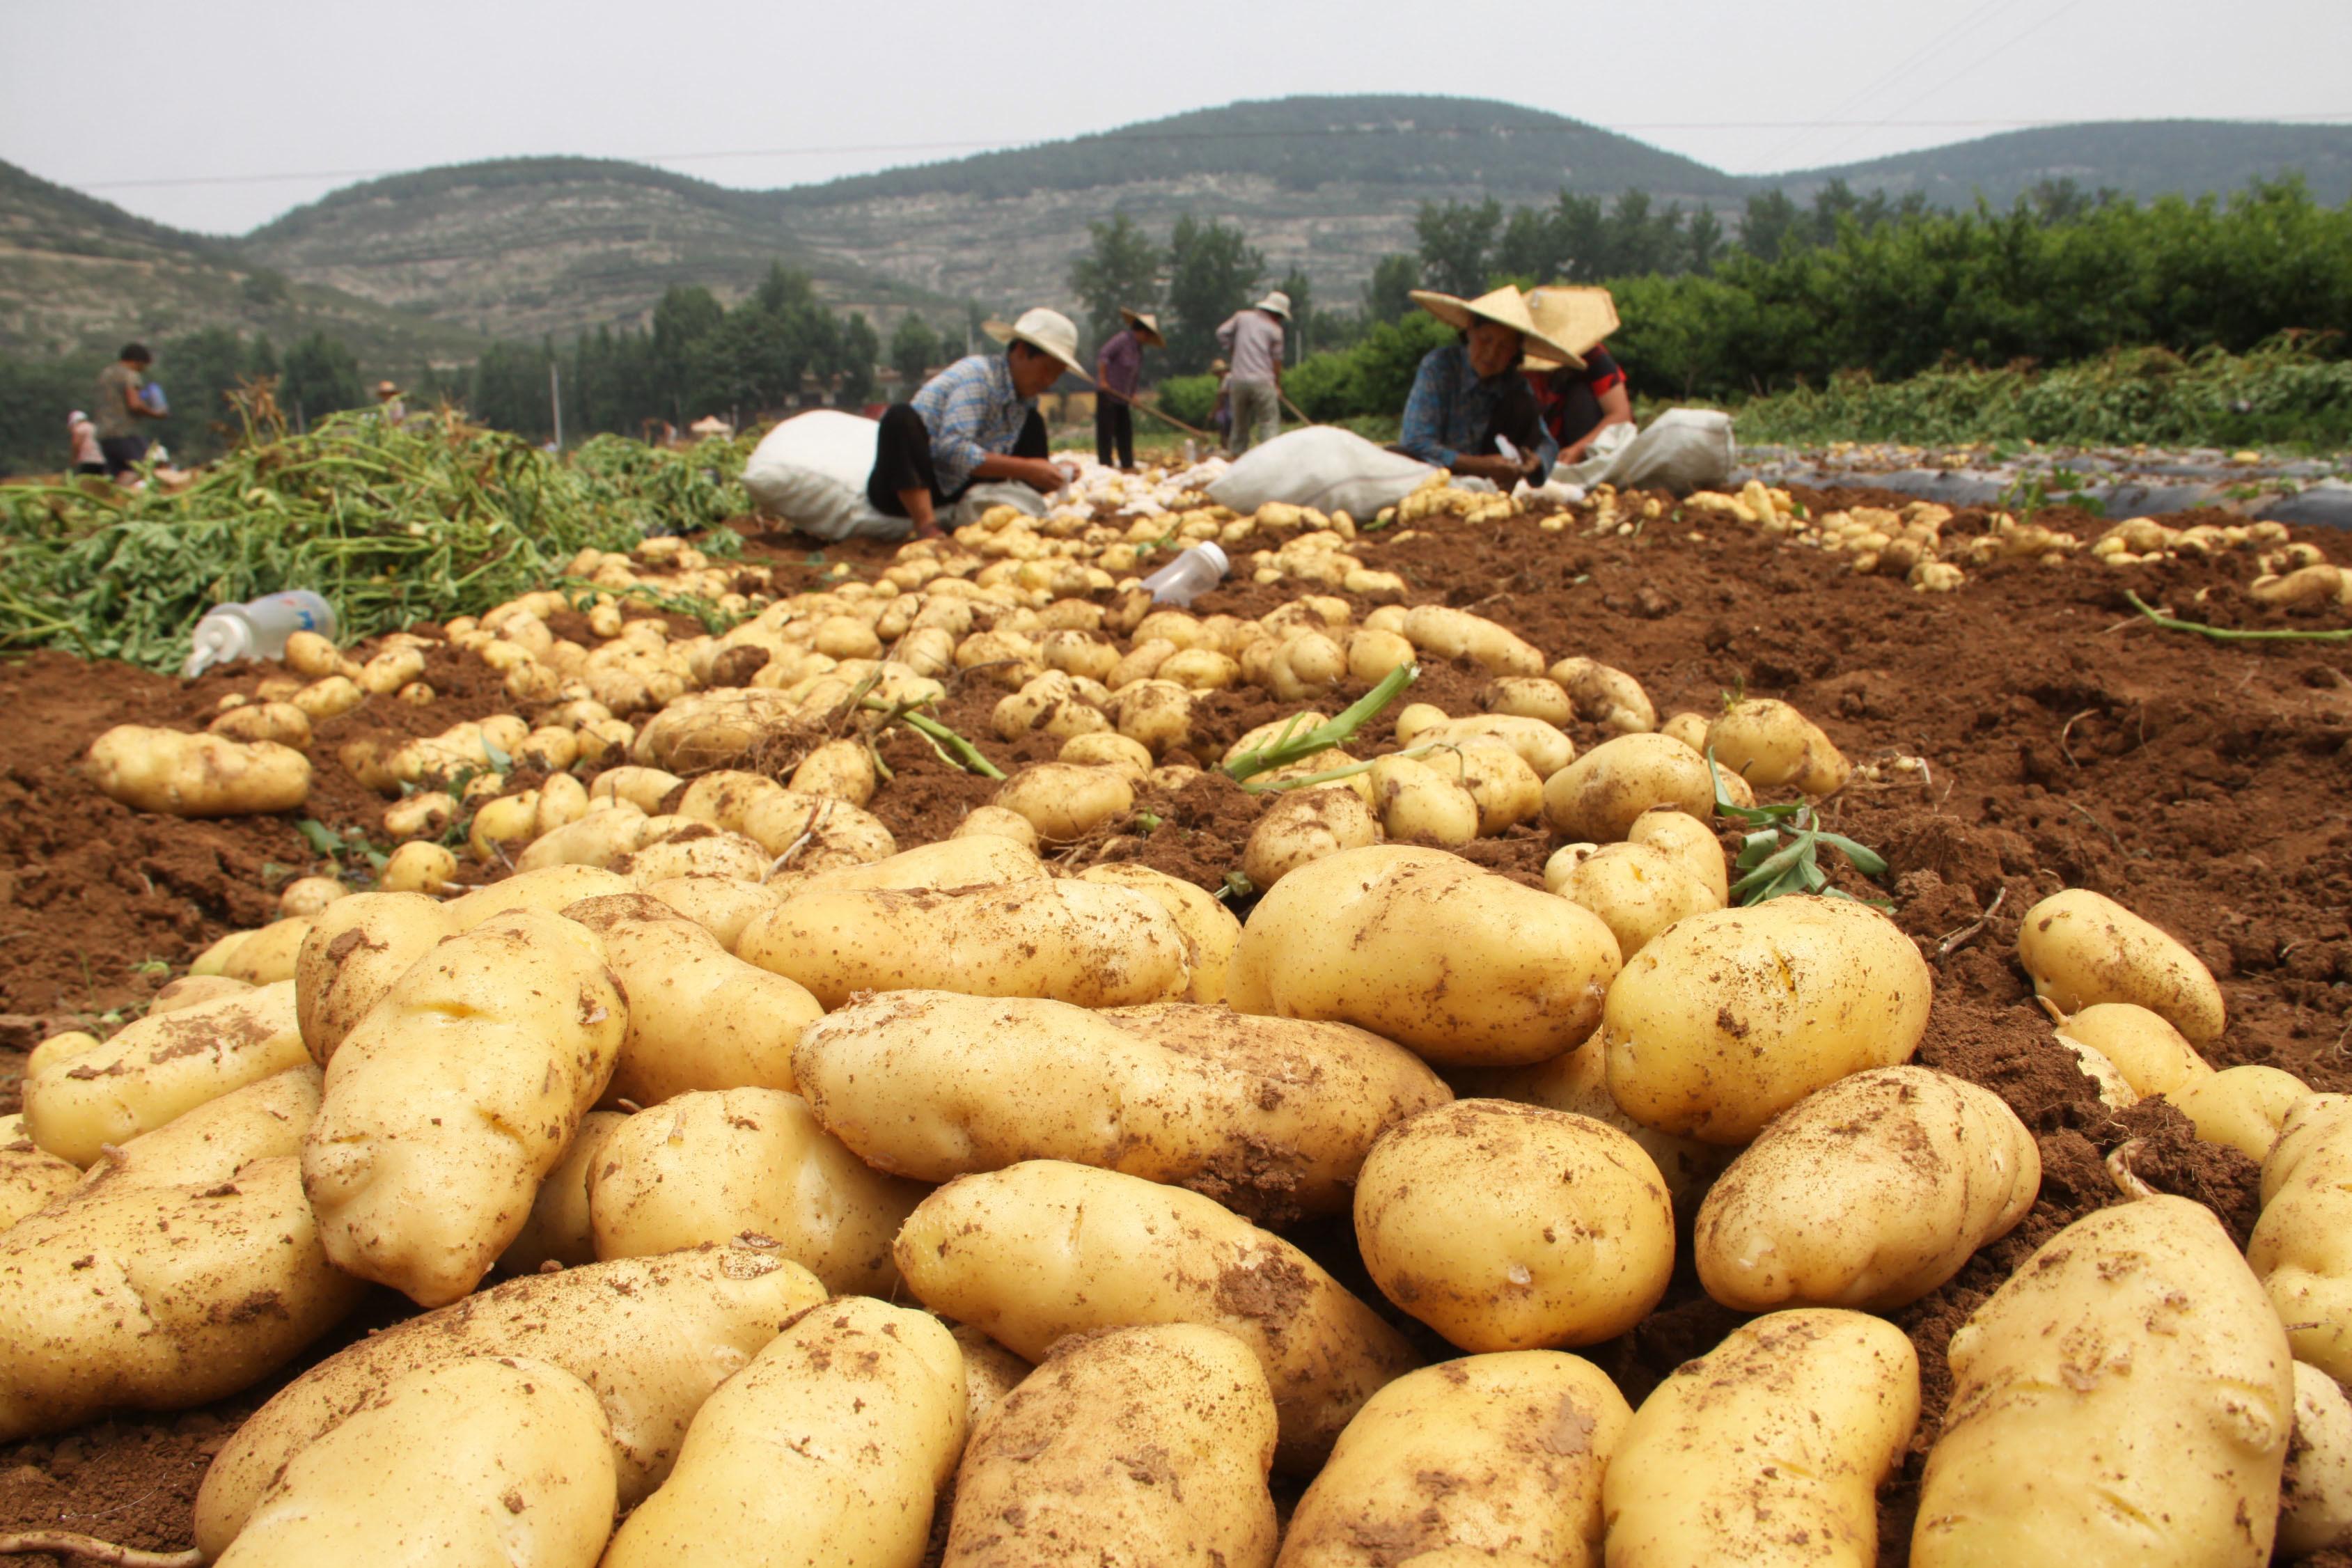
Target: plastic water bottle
{"points": [[257, 629], [1187, 577], [1192, 451]]}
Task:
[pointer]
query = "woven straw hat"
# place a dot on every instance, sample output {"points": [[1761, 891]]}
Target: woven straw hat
{"points": [[1146, 325], [1576, 318], [1505, 307]]}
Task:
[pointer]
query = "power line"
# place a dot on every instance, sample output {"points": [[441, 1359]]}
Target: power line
{"points": [[1887, 78], [1512, 132]]}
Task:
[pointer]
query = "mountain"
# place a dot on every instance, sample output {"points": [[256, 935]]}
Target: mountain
{"points": [[75, 272]]}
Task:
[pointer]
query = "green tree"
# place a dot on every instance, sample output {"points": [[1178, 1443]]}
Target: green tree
{"points": [[1123, 270], [1703, 242], [1211, 272], [321, 377], [1388, 294], [861, 347], [1771, 228], [1457, 241], [1304, 337], [914, 349], [686, 326]]}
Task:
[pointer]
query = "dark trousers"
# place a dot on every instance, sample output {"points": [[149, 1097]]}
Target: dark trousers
{"points": [[122, 452], [902, 459], [1114, 431]]}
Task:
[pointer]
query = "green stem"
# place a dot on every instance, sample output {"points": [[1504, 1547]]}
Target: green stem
{"points": [[2225, 634], [1332, 775], [966, 755], [1282, 753]]}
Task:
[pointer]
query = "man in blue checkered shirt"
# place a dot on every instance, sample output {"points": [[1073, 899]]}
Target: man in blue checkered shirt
{"points": [[975, 420]]}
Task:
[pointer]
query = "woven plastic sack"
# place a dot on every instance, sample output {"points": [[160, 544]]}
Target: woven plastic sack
{"points": [[1323, 467], [810, 472]]}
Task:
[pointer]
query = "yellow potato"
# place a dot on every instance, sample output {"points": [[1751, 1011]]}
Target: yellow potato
{"points": [[2125, 1397], [550, 889], [829, 1447], [596, 837], [1063, 801], [1461, 966], [1869, 1194], [268, 955], [308, 653], [279, 721], [1603, 696], [1506, 790], [1458, 634], [1543, 747], [417, 867], [558, 1230], [424, 814], [1070, 942], [73, 1042], [185, 1268], [161, 1067], [1730, 1017], [991, 860], [696, 849], [1578, 1081], [1372, 654], [1211, 932], [390, 671], [475, 1461], [750, 1163], [1598, 797], [183, 993], [181, 775], [1048, 704], [2316, 1500], [1508, 1227], [1527, 697], [818, 831], [1688, 728], [2149, 1052], [305, 897], [1418, 801], [643, 787], [2301, 1246], [1271, 1117], [1301, 827], [652, 1336], [1142, 1445], [29, 1174], [719, 905], [1491, 1458], [351, 956], [1691, 841], [1155, 714], [2082, 947], [327, 698], [1638, 892], [2242, 1107], [454, 1097], [1107, 749], [1767, 1451], [843, 770], [1043, 1249], [990, 1372], [1770, 745]]}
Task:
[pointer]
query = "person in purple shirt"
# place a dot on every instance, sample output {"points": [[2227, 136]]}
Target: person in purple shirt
{"points": [[1118, 371]]}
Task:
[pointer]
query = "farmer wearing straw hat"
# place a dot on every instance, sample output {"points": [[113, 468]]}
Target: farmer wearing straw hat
{"points": [[1252, 339], [1118, 370], [1583, 396], [388, 406], [1469, 397], [975, 420]]}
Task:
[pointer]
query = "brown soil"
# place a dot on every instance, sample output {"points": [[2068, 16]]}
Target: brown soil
{"points": [[2065, 743]]}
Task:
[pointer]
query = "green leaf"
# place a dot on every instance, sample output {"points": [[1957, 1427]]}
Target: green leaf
{"points": [[500, 762], [320, 837], [1867, 862]]}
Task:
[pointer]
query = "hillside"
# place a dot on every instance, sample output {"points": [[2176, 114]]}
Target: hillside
{"points": [[75, 272], [2142, 158]]}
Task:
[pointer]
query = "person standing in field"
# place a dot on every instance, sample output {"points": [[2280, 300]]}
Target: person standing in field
{"points": [[122, 404], [388, 406], [1118, 371], [975, 420], [87, 459], [1252, 341]]}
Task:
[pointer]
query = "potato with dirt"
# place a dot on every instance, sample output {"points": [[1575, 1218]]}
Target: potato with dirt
{"points": [[1606, 696], [159, 1068], [1637, 890], [186, 1268], [559, 1230], [1146, 1443], [1767, 1451], [1493, 1459], [30, 1176], [1044, 1248], [180, 775], [2149, 1053], [353, 953], [2241, 1107], [1458, 634], [1578, 1081], [1772, 745], [1271, 1117], [484, 1460], [1068, 940], [1211, 933], [2125, 1397], [2316, 1495], [1301, 827], [830, 1447], [652, 1336], [2302, 1244], [1463, 967], [1508, 1227], [2081, 947], [454, 1095], [1728, 1018], [1598, 797], [1064, 802], [1869, 1195]]}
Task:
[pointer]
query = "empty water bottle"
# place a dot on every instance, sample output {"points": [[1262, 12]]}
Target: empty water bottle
{"points": [[257, 629], [1187, 577]]}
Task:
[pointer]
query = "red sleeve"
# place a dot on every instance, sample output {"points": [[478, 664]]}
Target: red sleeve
{"points": [[1601, 373]]}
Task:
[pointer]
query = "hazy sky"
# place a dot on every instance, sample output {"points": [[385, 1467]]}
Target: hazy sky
{"points": [[250, 107]]}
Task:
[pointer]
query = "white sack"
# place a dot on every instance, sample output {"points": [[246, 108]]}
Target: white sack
{"points": [[810, 472], [1682, 450], [1323, 467]]}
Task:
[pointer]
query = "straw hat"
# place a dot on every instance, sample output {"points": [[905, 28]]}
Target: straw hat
{"points": [[387, 389], [1276, 301], [1048, 331], [1146, 325], [1504, 307], [1575, 318]]}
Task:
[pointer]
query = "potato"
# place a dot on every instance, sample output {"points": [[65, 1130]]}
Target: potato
{"points": [[1609, 698], [2125, 1397], [2301, 1246], [185, 1268], [1578, 1081], [1140, 1445], [1505, 787], [652, 1336], [719, 905], [1418, 801], [427, 813], [843, 770], [268, 955], [2242, 1107], [1869, 1194], [2082, 947], [2316, 1499], [308, 654], [1458, 634], [692, 849], [450, 1100], [1527, 697], [351, 956], [305, 897], [1301, 827], [417, 867], [1107, 749], [1211, 933], [1543, 747], [1048, 704], [176, 995], [996, 821], [558, 1230], [2149, 1052], [54, 1050], [830, 1447], [29, 1174], [474, 1461], [645, 788], [596, 837], [1270, 1117], [327, 698], [990, 1372], [1044, 1249], [1688, 728], [1637, 891], [1156, 714], [549, 889], [750, 1163], [1063, 801], [159, 1068], [1771, 745], [1371, 655], [818, 831], [279, 721], [1767, 1451], [1459, 965], [1510, 1226], [1691, 841], [181, 775], [1731, 1016], [1070, 942], [1598, 797], [1494, 1458], [972, 862]]}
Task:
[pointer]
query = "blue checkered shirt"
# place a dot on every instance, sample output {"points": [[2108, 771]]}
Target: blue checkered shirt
{"points": [[1450, 407], [972, 411]]}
